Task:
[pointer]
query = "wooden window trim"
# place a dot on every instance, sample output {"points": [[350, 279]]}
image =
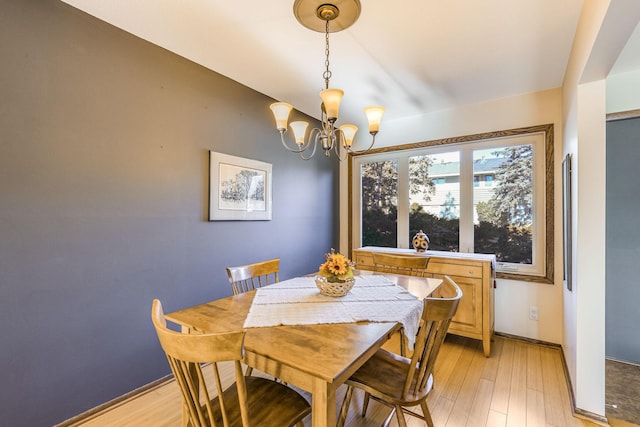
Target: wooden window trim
{"points": [[549, 188]]}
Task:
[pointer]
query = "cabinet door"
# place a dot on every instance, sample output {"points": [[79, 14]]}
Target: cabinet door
{"points": [[468, 318]]}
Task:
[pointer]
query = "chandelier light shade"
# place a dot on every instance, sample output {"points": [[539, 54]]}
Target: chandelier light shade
{"points": [[317, 16], [348, 132], [374, 115], [281, 112], [331, 100], [299, 131]]}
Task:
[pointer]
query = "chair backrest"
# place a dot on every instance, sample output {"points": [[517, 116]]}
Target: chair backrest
{"points": [[436, 316], [400, 264], [251, 276], [187, 353]]}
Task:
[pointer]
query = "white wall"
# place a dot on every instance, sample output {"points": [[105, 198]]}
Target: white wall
{"points": [[513, 298], [589, 261], [623, 92], [589, 24], [604, 28]]}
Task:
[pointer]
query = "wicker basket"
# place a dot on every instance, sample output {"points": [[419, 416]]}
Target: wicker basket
{"points": [[334, 289]]}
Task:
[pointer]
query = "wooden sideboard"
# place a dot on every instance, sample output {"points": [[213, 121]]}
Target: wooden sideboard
{"points": [[474, 273]]}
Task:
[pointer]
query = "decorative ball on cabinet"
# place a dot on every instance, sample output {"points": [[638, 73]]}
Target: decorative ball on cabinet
{"points": [[420, 241]]}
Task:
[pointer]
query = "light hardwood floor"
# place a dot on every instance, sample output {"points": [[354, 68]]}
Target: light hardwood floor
{"points": [[521, 385]]}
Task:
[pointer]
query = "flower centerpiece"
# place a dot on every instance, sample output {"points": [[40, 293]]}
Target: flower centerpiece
{"points": [[335, 276]]}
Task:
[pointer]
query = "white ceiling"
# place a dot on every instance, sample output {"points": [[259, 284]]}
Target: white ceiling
{"points": [[424, 56]]}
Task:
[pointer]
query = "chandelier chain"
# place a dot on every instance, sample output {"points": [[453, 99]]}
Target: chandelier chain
{"points": [[327, 72]]}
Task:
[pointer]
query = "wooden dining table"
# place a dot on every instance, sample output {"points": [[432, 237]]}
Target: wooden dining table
{"points": [[317, 358]]}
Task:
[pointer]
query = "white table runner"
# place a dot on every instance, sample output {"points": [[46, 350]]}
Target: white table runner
{"points": [[299, 302]]}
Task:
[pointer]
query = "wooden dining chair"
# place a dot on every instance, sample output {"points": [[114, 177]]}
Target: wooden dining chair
{"points": [[401, 382], [251, 276], [250, 401], [245, 278], [400, 264]]}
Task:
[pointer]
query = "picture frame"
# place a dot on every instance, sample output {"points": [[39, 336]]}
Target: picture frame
{"points": [[239, 188], [566, 222]]}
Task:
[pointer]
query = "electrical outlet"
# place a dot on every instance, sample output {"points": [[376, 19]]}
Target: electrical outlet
{"points": [[533, 313]]}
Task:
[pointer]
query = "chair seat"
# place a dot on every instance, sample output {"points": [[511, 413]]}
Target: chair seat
{"points": [[292, 406], [383, 376]]}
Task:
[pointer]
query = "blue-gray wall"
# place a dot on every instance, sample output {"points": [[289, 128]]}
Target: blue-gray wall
{"points": [[104, 142], [623, 240]]}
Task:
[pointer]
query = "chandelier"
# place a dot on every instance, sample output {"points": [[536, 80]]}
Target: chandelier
{"points": [[317, 15]]}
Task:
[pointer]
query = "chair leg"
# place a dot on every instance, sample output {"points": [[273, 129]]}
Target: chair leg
{"points": [[400, 415], [387, 420], [344, 409], [365, 403], [426, 413]]}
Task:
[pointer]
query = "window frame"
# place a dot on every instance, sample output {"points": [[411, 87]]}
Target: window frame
{"points": [[547, 239]]}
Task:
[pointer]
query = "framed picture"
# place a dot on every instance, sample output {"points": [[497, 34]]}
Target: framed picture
{"points": [[239, 189], [566, 220]]}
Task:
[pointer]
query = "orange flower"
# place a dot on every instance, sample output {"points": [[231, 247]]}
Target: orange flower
{"points": [[336, 267]]}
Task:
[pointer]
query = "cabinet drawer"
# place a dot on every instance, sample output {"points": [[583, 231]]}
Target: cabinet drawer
{"points": [[464, 270], [364, 261]]}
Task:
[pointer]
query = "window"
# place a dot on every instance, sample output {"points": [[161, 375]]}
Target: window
{"points": [[380, 203], [487, 193]]}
